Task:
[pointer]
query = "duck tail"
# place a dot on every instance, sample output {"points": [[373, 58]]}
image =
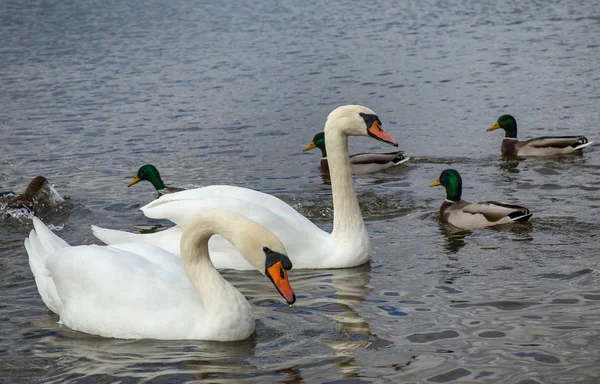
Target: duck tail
{"points": [[581, 143], [521, 215], [400, 159]]}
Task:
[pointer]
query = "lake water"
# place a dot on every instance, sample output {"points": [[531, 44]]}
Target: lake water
{"points": [[230, 92]]}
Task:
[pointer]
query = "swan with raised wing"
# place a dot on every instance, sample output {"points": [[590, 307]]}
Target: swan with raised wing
{"points": [[308, 246]]}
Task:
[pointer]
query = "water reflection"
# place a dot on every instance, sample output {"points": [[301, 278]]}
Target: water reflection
{"points": [[80, 355], [455, 237], [510, 164], [339, 295]]}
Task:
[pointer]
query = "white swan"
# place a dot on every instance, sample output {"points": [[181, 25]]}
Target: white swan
{"points": [[308, 246], [141, 291]]}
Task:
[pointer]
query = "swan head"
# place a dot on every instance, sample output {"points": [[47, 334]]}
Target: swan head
{"points": [[265, 252], [149, 173], [276, 267], [357, 120]]}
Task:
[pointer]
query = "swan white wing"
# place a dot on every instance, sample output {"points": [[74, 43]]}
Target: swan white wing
{"points": [[303, 242], [166, 260], [111, 292], [306, 244], [256, 198], [168, 239]]}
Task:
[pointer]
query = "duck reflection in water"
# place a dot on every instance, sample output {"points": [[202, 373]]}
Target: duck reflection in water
{"points": [[455, 237]]}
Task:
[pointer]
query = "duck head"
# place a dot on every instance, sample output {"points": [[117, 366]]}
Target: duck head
{"points": [[451, 180], [149, 173], [318, 141], [508, 123]]}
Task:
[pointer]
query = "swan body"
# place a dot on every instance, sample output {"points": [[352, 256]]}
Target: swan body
{"points": [[360, 163], [465, 215], [308, 246], [134, 291], [541, 146]]}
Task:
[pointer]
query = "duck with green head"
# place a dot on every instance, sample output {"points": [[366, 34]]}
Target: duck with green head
{"points": [[465, 215], [149, 173], [541, 146], [361, 163]]}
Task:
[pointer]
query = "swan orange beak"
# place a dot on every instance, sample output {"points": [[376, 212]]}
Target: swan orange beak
{"points": [[134, 181], [378, 133], [310, 146], [494, 127], [279, 277], [435, 183]]}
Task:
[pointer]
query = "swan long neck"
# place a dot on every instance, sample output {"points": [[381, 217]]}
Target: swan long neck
{"points": [[212, 287], [347, 218]]}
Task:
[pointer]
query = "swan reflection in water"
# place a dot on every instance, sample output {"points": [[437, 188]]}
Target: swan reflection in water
{"points": [[337, 294], [79, 355]]}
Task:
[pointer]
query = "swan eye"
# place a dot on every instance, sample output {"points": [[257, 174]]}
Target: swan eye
{"points": [[370, 119], [266, 250]]}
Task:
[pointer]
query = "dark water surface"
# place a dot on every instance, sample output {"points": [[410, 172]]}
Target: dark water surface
{"points": [[230, 92]]}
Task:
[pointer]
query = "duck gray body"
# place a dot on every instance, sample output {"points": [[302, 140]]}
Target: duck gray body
{"points": [[364, 163], [541, 146], [544, 146], [465, 215]]}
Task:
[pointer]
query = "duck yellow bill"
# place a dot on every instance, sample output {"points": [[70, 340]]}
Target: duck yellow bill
{"points": [[377, 132], [134, 181], [494, 127], [279, 277], [310, 146], [435, 183]]}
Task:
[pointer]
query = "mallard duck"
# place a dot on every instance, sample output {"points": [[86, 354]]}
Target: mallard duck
{"points": [[136, 291], [361, 163], [149, 173], [38, 193], [465, 215], [308, 245], [541, 146]]}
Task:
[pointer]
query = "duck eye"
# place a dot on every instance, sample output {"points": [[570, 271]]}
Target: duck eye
{"points": [[266, 250]]}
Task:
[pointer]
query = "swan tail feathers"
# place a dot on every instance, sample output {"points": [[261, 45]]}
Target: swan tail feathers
{"points": [[40, 244]]}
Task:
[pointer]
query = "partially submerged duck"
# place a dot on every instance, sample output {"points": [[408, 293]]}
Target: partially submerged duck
{"points": [[39, 197], [541, 146], [465, 215], [149, 173], [361, 163], [39, 192]]}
